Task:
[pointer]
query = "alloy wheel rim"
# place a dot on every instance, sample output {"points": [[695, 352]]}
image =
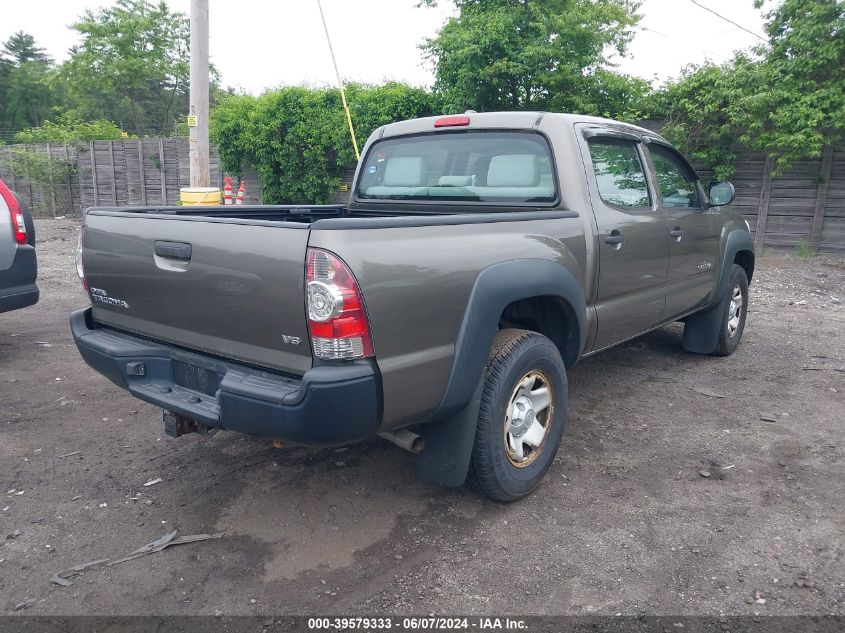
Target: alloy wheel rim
{"points": [[735, 310], [528, 418]]}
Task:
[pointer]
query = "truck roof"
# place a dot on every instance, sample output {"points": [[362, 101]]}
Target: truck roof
{"points": [[509, 120]]}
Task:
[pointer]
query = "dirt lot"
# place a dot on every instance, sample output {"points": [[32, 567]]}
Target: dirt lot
{"points": [[685, 485]]}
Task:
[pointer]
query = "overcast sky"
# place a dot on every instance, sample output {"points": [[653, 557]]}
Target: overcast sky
{"points": [[260, 44]]}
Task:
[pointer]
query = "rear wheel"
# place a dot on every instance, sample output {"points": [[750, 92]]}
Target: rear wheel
{"points": [[522, 415]]}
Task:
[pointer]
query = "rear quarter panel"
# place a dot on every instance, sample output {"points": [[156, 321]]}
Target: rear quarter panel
{"points": [[416, 282]]}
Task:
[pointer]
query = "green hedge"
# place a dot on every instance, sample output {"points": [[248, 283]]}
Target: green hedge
{"points": [[297, 138]]}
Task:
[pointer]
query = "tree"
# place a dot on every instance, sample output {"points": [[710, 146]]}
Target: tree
{"points": [[21, 48], [702, 110], [786, 100], [28, 84], [131, 65], [533, 54], [607, 93], [28, 97], [799, 106]]}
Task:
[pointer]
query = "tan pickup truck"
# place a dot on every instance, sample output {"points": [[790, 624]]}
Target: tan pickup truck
{"points": [[480, 256]]}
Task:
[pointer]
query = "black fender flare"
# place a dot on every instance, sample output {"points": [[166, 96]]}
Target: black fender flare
{"points": [[449, 437], [495, 288], [737, 240]]}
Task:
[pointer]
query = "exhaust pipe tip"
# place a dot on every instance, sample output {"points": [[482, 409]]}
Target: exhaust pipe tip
{"points": [[406, 440], [417, 444]]}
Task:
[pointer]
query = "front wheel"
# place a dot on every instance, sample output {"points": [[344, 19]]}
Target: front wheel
{"points": [[734, 313], [522, 415]]}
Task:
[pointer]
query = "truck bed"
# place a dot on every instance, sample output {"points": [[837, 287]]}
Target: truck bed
{"points": [[274, 213]]}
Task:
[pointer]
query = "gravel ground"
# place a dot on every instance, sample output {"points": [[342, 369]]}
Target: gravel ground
{"points": [[685, 485]]}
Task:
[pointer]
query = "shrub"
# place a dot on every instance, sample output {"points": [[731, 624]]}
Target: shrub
{"points": [[297, 138], [67, 128]]}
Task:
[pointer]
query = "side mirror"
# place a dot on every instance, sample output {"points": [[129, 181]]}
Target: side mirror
{"points": [[721, 193]]}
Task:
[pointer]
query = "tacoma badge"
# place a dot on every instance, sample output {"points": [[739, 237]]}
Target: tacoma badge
{"points": [[98, 295]]}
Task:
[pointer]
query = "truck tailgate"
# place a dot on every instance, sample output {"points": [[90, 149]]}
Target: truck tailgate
{"points": [[228, 287]]}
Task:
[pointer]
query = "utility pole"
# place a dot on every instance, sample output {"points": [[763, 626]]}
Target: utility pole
{"points": [[198, 112]]}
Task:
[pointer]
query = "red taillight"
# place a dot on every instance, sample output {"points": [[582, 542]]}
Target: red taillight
{"points": [[18, 223], [337, 319], [452, 121]]}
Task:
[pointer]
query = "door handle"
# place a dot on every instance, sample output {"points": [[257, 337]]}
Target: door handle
{"points": [[615, 239], [173, 250], [677, 234]]}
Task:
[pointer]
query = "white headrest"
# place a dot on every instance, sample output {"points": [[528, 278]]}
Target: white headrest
{"points": [[405, 171], [513, 170]]}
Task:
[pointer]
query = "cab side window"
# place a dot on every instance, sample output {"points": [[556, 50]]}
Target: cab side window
{"points": [[619, 173], [676, 182]]}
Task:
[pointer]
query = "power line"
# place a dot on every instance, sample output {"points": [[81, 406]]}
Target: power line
{"points": [[722, 17]]}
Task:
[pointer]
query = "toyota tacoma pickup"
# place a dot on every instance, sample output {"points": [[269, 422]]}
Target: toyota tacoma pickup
{"points": [[479, 258]]}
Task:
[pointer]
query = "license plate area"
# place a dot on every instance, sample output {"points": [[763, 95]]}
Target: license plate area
{"points": [[196, 377]]}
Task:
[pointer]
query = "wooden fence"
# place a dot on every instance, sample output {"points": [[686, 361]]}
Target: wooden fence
{"points": [[147, 171], [803, 204], [55, 193]]}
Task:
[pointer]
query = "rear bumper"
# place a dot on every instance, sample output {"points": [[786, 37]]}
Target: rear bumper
{"points": [[18, 297], [17, 283], [328, 406]]}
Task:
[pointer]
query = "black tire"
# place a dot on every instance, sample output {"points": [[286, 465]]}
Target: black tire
{"points": [[729, 337], [516, 354]]}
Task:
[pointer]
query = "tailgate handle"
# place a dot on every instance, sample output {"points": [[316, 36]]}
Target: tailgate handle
{"points": [[173, 250]]}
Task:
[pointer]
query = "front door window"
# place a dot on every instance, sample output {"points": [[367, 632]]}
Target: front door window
{"points": [[677, 185]]}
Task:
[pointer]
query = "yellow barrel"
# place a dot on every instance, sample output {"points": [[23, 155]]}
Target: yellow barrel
{"points": [[199, 195]]}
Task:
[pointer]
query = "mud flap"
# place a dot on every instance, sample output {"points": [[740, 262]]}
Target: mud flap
{"points": [[701, 331], [448, 445]]}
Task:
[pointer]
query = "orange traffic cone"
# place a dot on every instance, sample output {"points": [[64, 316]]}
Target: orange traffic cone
{"points": [[227, 190], [241, 193]]}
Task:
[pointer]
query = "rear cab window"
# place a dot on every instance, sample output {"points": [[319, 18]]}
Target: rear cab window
{"points": [[479, 166]]}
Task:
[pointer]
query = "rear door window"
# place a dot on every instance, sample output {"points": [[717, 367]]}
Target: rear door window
{"points": [[620, 177], [507, 167]]}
